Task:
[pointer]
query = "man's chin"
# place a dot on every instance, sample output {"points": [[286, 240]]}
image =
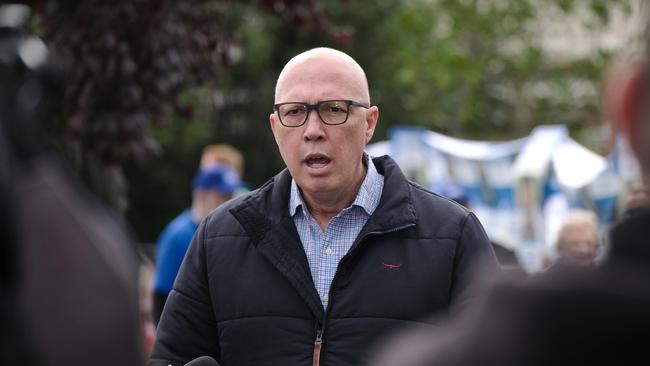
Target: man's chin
{"points": [[315, 185]]}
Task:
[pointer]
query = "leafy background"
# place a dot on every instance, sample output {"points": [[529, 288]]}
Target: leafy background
{"points": [[149, 83]]}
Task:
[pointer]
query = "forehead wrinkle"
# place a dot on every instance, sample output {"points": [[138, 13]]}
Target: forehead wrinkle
{"points": [[308, 65]]}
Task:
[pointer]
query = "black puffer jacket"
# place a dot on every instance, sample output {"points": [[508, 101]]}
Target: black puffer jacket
{"points": [[245, 296]]}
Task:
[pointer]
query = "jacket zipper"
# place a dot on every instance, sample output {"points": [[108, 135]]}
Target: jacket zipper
{"points": [[318, 342]]}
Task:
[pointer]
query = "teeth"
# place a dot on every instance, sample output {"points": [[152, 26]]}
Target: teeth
{"points": [[317, 161]]}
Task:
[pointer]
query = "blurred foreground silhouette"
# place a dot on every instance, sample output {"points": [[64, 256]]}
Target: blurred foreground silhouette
{"points": [[68, 279]]}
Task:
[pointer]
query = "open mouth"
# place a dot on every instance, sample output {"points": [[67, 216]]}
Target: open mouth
{"points": [[317, 161]]}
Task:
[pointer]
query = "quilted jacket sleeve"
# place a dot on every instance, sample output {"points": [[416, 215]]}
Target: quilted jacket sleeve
{"points": [[187, 328], [474, 256]]}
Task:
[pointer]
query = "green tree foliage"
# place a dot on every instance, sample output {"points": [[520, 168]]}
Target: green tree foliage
{"points": [[477, 68], [127, 64], [469, 68]]}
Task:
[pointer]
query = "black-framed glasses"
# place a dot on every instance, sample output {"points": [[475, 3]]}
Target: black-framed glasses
{"points": [[331, 112]]}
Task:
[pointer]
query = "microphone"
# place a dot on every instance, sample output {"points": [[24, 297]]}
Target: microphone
{"points": [[203, 361]]}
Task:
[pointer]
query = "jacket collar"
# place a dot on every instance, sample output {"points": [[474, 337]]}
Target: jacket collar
{"points": [[395, 208], [269, 205]]}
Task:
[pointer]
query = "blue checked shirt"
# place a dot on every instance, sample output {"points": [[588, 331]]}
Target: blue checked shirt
{"points": [[325, 249]]}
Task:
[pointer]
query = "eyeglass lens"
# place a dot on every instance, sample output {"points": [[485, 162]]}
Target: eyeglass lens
{"points": [[331, 112]]}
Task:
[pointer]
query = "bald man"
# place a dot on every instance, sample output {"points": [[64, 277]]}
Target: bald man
{"points": [[331, 253]]}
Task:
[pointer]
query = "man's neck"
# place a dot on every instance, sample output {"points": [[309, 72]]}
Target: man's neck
{"points": [[323, 206]]}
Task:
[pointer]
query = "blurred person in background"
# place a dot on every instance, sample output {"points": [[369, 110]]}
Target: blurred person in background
{"points": [[578, 238], [331, 253], [569, 315], [222, 154], [212, 186]]}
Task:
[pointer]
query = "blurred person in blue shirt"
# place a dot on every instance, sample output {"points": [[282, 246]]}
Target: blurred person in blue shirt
{"points": [[211, 187]]}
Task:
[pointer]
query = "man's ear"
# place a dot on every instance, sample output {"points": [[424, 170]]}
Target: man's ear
{"points": [[623, 100], [372, 116], [272, 122]]}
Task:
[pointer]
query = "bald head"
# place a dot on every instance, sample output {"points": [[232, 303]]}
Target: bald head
{"points": [[322, 61], [324, 158]]}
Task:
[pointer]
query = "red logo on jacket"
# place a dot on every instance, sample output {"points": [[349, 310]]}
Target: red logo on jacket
{"points": [[391, 265]]}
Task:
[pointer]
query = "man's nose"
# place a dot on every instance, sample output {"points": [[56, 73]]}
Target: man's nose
{"points": [[314, 127]]}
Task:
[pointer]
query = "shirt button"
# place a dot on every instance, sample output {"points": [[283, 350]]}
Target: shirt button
{"points": [[326, 297], [328, 251]]}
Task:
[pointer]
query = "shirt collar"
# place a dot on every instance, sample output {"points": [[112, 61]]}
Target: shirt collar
{"points": [[367, 198]]}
